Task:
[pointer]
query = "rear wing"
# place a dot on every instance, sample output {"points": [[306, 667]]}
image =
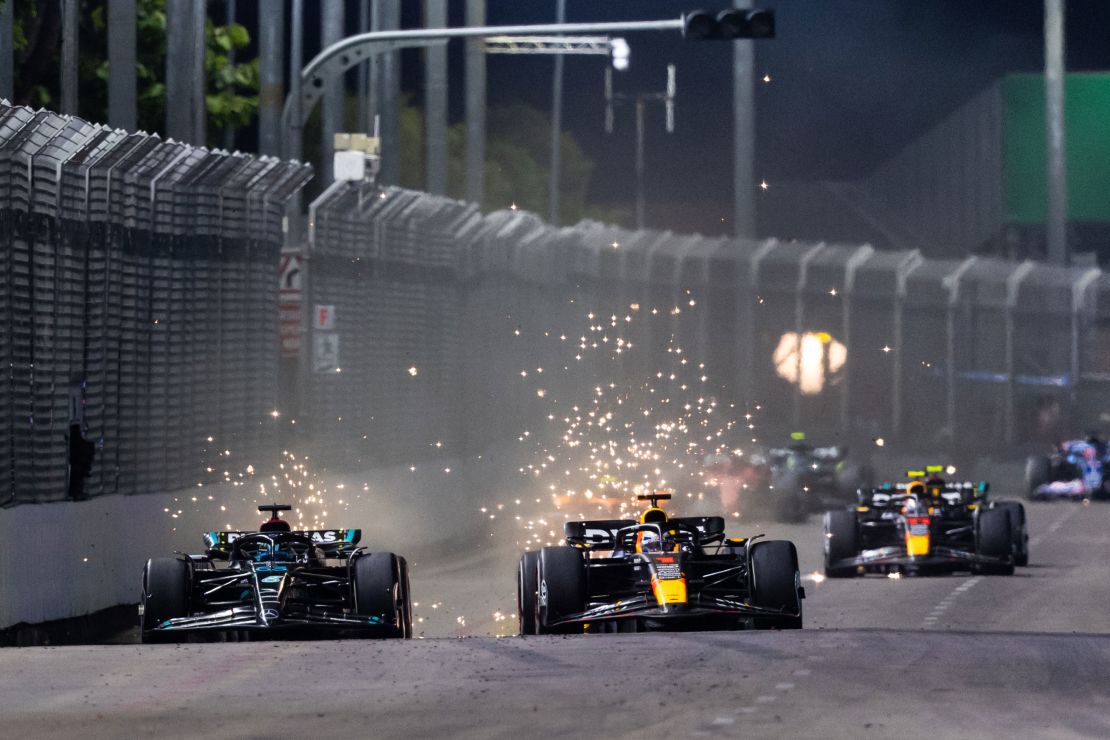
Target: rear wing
{"points": [[333, 542], [605, 534]]}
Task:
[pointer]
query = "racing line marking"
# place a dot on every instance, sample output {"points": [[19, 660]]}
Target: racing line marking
{"points": [[939, 610], [1051, 529]]}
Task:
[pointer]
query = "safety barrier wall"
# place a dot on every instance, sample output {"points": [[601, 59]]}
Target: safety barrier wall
{"points": [[974, 355], [137, 305]]}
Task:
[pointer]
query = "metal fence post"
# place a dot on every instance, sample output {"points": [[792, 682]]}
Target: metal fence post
{"points": [[860, 256], [1013, 286]]}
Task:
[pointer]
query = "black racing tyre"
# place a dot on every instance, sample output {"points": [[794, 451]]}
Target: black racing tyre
{"points": [[527, 592], [776, 583], [562, 588], [841, 542], [994, 538], [406, 597], [788, 501], [1038, 471], [165, 596], [378, 591], [1020, 546]]}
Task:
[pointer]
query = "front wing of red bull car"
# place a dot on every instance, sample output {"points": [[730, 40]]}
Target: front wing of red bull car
{"points": [[309, 582], [626, 576]]}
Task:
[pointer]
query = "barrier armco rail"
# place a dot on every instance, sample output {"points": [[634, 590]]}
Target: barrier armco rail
{"points": [[137, 304], [973, 355]]}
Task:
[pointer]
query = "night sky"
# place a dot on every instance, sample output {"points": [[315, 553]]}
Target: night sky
{"points": [[853, 81]]}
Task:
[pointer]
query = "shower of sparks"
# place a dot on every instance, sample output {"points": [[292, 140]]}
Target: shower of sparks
{"points": [[617, 427]]}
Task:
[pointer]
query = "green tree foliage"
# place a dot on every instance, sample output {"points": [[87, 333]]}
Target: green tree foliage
{"points": [[231, 89], [518, 159]]}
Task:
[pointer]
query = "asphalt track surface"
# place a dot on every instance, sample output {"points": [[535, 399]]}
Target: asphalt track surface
{"points": [[950, 656]]}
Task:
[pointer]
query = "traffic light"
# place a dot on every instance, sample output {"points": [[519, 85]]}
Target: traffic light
{"points": [[619, 52], [698, 25]]}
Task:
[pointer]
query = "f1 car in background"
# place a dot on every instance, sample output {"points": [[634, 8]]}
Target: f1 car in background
{"points": [[788, 483], [815, 478], [1077, 469], [277, 580], [658, 572], [925, 526]]}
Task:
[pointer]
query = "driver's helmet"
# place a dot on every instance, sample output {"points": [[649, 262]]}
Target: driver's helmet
{"points": [[916, 488], [273, 524], [935, 487], [650, 541]]}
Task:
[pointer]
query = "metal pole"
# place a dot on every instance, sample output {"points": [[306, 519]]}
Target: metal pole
{"points": [[271, 93], [331, 120], [743, 134], [475, 105], [391, 100], [197, 97], [556, 125], [70, 43], [7, 51], [1056, 223], [122, 85], [229, 130], [199, 106], [362, 83], [374, 70], [179, 63], [293, 143], [639, 162], [435, 102]]}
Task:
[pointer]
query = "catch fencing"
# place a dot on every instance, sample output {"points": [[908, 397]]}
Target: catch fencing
{"points": [[440, 311], [138, 317]]}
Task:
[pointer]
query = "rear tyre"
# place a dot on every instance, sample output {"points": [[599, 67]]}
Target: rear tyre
{"points": [[1020, 546], [378, 591], [527, 592], [1038, 471], [776, 583], [841, 543], [165, 596], [562, 588], [994, 538]]}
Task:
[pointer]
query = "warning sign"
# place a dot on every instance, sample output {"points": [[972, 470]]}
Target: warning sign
{"points": [[291, 279], [323, 318], [325, 352]]}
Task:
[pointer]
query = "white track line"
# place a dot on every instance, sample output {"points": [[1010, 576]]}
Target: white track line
{"points": [[1052, 528], [939, 610]]}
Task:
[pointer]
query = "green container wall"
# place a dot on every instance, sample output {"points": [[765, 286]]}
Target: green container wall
{"points": [[1087, 121]]}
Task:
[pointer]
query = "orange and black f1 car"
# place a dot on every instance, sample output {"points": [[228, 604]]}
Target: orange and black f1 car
{"points": [[276, 581], [658, 572]]}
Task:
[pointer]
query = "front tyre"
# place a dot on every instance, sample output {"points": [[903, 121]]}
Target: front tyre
{"points": [[379, 593], [1038, 471], [841, 543], [776, 584], [562, 588], [165, 596], [527, 592]]}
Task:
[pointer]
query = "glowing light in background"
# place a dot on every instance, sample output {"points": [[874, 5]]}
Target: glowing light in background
{"points": [[808, 361]]}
